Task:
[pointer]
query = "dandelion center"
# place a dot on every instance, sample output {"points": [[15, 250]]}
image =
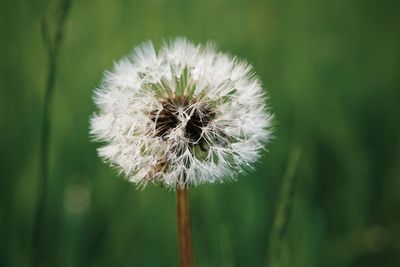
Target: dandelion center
{"points": [[182, 112]]}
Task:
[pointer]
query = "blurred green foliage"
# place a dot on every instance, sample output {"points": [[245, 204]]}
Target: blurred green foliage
{"points": [[332, 72]]}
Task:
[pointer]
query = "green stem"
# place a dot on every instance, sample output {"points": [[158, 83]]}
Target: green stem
{"points": [[283, 210], [52, 44]]}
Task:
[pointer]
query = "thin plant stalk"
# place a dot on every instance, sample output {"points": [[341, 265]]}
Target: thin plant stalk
{"points": [[184, 231], [283, 211], [52, 32]]}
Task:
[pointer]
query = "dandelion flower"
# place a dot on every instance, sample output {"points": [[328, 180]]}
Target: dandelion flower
{"points": [[184, 116]]}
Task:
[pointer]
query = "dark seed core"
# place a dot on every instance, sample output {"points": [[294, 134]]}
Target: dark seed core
{"points": [[167, 119]]}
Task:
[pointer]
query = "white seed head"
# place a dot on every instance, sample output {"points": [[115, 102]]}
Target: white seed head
{"points": [[185, 116]]}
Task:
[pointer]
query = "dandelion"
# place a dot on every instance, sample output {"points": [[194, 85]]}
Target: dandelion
{"points": [[188, 115], [184, 116]]}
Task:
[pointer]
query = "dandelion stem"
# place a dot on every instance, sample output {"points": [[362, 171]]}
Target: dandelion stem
{"points": [[184, 232]]}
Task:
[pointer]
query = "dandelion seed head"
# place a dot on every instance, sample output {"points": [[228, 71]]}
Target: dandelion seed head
{"points": [[184, 116]]}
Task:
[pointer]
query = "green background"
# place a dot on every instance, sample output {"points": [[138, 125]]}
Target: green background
{"points": [[332, 72]]}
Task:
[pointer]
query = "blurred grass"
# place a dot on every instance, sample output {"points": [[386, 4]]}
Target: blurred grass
{"points": [[52, 33], [284, 203], [331, 69]]}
